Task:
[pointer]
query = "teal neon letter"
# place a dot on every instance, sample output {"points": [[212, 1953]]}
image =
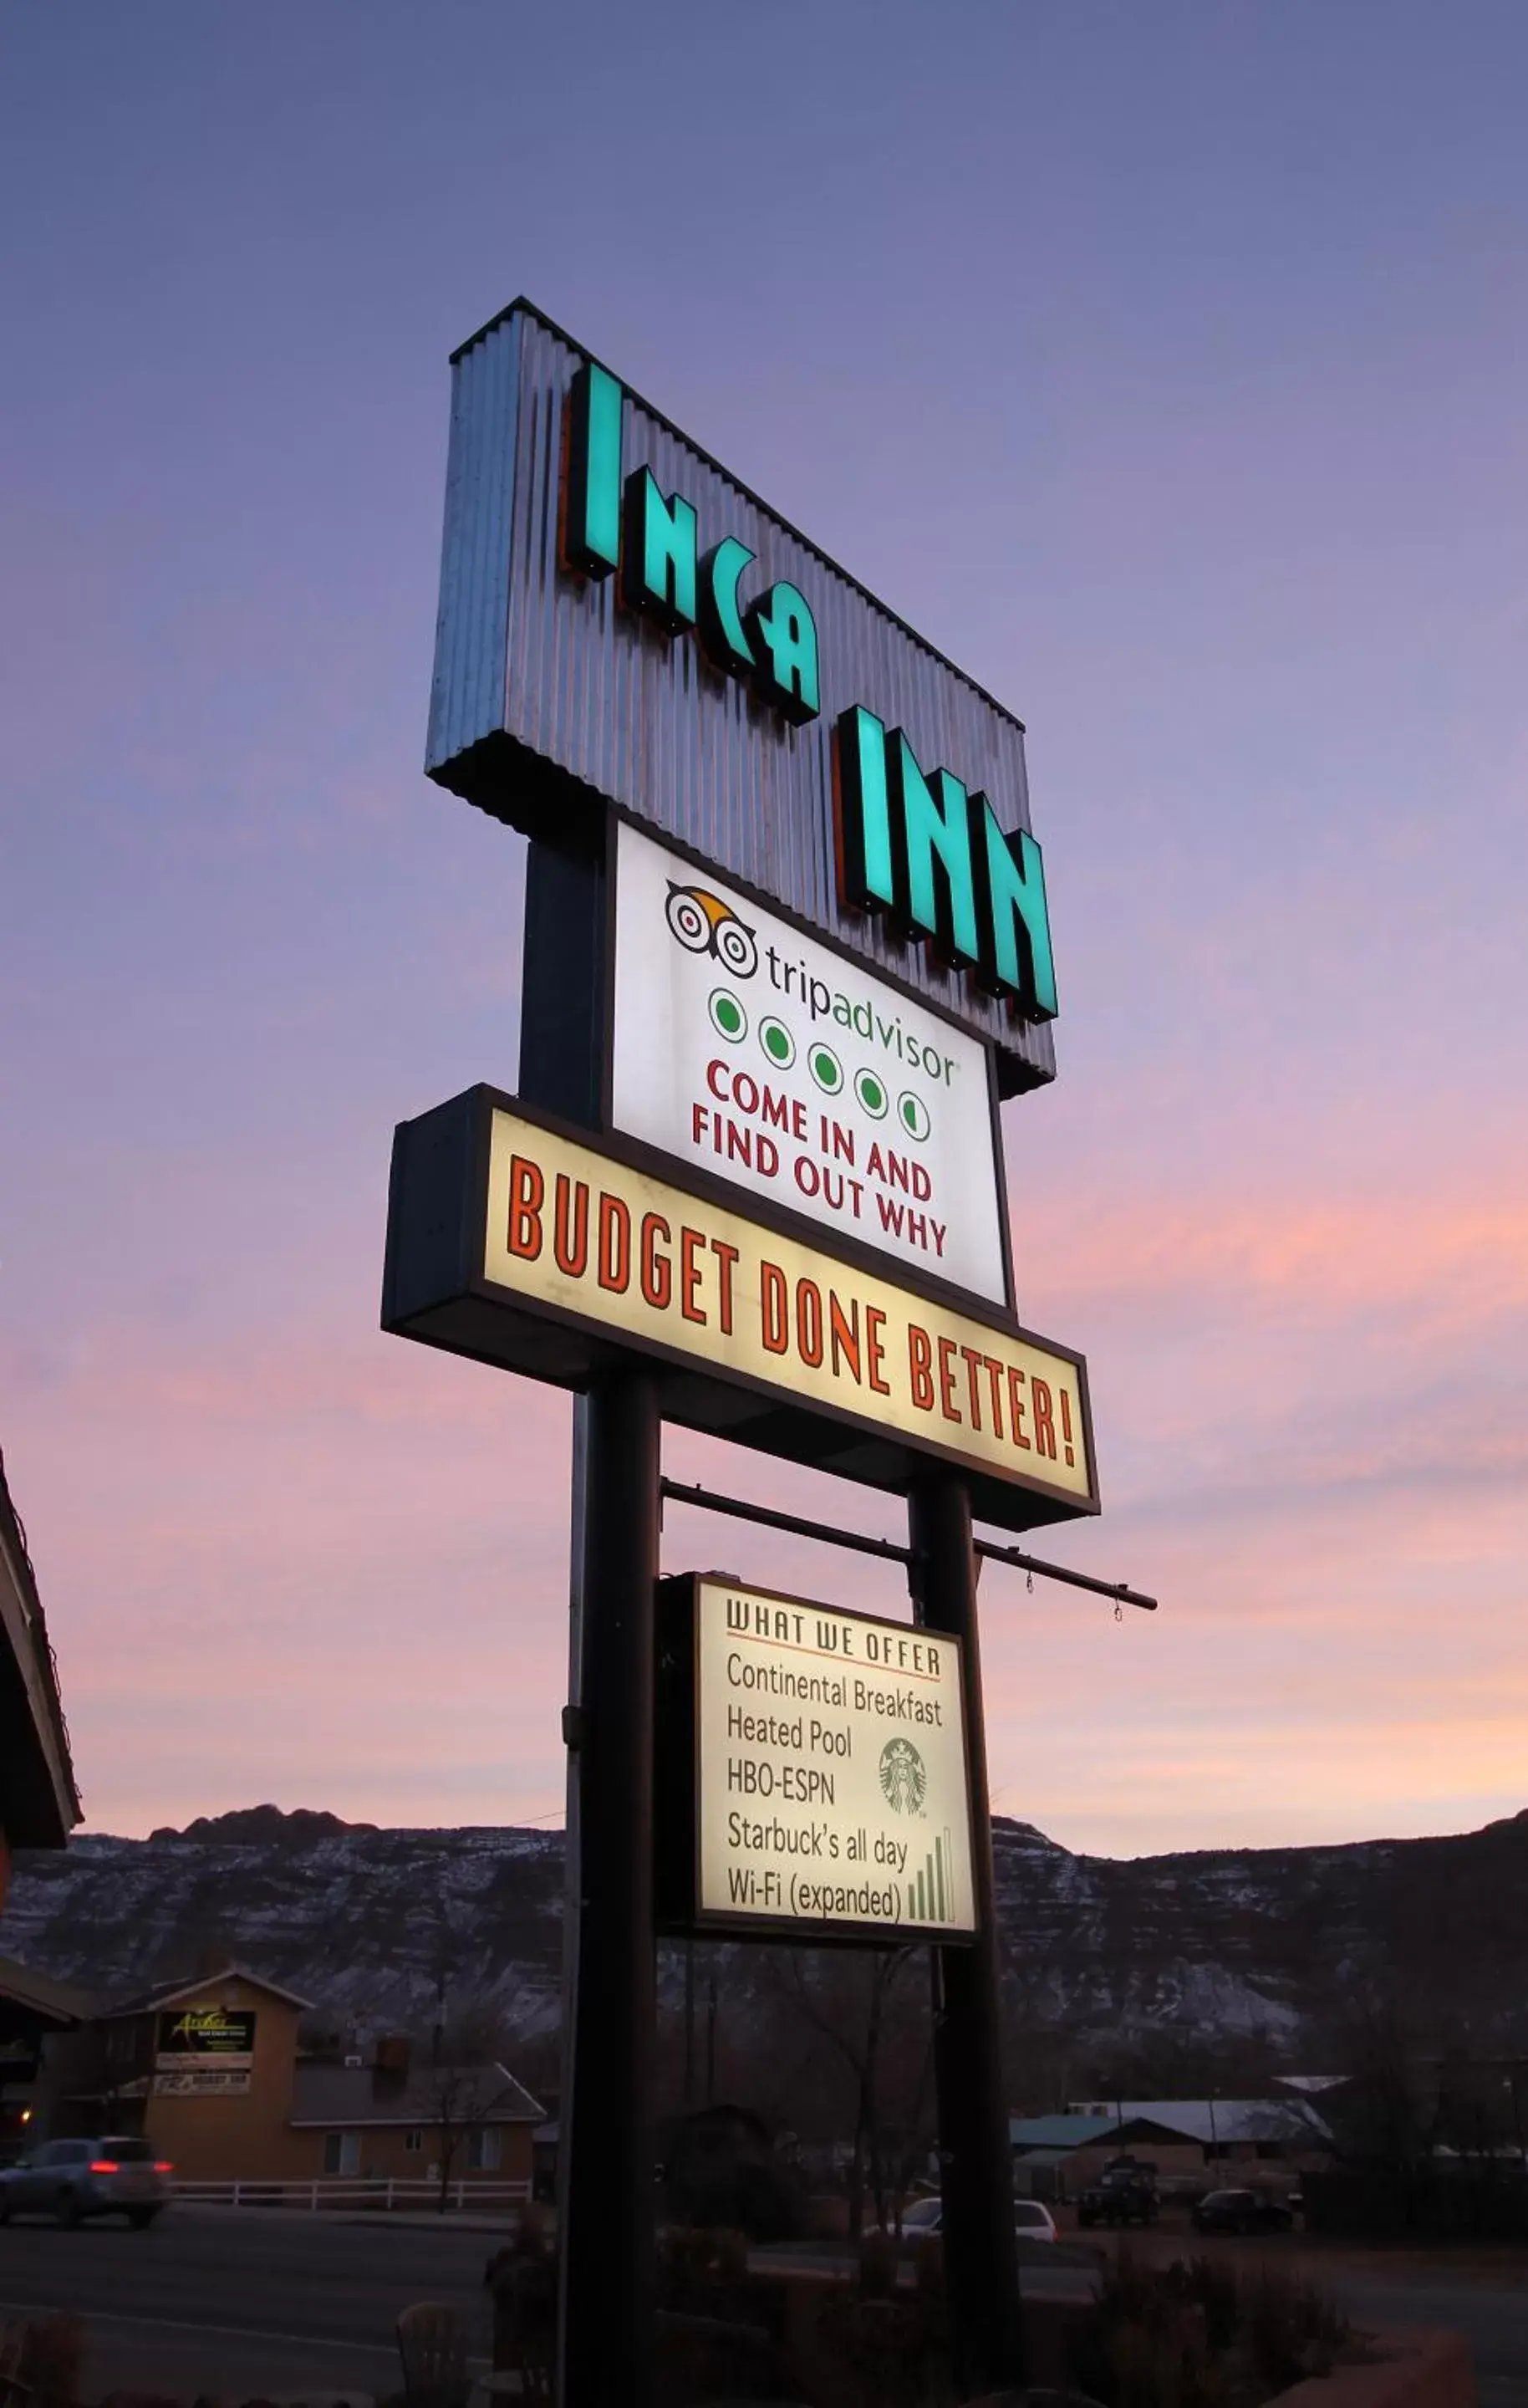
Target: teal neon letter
{"points": [[938, 901], [1016, 923], [591, 504], [721, 630], [863, 814], [658, 562], [780, 625]]}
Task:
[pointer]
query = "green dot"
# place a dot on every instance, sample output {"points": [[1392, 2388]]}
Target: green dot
{"points": [[827, 1069], [728, 1018], [778, 1043]]}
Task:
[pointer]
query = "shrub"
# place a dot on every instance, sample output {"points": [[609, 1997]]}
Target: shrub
{"points": [[1200, 2336], [878, 2352], [1290, 2329], [49, 2360]]}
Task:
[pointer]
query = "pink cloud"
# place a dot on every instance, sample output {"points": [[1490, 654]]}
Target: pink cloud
{"points": [[300, 1558]]}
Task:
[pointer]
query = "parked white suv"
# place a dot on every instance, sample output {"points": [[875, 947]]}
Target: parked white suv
{"points": [[1032, 2219], [71, 2179]]}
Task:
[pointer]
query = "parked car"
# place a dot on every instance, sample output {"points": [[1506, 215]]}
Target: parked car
{"points": [[1032, 2219], [1238, 2210], [1124, 2194], [71, 2179]]}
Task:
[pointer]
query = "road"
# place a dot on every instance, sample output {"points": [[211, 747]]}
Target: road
{"points": [[244, 2301], [1493, 2317], [248, 2302]]}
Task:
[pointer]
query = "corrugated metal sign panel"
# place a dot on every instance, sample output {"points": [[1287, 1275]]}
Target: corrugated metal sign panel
{"points": [[549, 661]]}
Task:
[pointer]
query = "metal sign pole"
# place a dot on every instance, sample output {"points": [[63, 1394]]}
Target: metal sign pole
{"points": [[609, 2153], [981, 2265], [572, 1880]]}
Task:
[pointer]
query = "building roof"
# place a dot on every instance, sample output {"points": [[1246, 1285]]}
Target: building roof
{"points": [[58, 2003], [350, 2095], [1214, 2120], [171, 1994], [39, 1804], [1074, 2132]]}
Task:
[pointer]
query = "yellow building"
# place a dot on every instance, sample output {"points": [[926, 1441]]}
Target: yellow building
{"points": [[210, 2070]]}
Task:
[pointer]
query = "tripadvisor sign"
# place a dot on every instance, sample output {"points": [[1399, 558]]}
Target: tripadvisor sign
{"points": [[751, 1054], [914, 845]]}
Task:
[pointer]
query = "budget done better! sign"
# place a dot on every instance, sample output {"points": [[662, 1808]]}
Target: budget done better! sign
{"points": [[568, 1228], [754, 1053]]}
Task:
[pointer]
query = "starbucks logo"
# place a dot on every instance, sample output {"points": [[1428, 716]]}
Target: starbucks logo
{"points": [[902, 1779]]}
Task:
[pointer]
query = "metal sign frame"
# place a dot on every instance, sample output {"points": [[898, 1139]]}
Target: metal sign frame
{"points": [[552, 696], [677, 1807], [566, 698], [572, 975]]}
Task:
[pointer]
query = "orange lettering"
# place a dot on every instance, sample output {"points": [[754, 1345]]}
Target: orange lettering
{"points": [[875, 1322], [948, 1406], [919, 1358], [570, 1247], [809, 1321], [725, 1255], [691, 1243], [615, 1252], [774, 1307], [657, 1282], [527, 1194], [844, 1330]]}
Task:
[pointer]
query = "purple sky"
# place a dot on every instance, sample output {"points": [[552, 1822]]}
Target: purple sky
{"points": [[1165, 367]]}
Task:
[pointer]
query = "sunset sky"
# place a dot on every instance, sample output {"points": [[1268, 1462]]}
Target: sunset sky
{"points": [[1165, 367]]}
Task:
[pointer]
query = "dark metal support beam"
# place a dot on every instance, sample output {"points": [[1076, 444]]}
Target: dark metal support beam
{"points": [[610, 2144], [975, 2163], [709, 1501], [1022, 1563]]}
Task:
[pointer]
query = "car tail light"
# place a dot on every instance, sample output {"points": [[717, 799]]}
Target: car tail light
{"points": [[163, 2167], [105, 2166]]}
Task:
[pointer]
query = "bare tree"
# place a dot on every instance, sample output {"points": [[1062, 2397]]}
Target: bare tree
{"points": [[458, 2100], [847, 2000]]}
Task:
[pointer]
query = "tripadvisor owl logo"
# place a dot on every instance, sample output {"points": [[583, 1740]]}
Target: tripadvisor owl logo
{"points": [[703, 924], [902, 1779]]}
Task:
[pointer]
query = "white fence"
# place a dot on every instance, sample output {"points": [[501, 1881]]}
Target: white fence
{"points": [[342, 2191]]}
